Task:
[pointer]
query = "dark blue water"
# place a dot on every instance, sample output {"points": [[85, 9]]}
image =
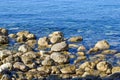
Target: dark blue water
{"points": [[93, 19]]}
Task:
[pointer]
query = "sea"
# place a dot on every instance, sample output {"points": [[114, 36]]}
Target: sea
{"points": [[94, 20]]}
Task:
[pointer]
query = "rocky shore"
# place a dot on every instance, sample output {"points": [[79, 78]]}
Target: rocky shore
{"points": [[50, 58]]}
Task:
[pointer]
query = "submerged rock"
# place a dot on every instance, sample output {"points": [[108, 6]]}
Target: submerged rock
{"points": [[12, 35], [75, 39], [81, 48], [62, 46]]}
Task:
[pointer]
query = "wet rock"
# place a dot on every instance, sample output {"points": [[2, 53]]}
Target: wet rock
{"points": [[30, 36], [3, 31], [56, 39], [97, 58], [103, 66], [55, 70], [85, 74], [31, 43], [117, 55], [79, 71], [43, 42], [81, 53], [75, 39], [5, 53], [21, 39], [115, 76], [45, 69], [20, 66], [23, 33], [102, 45], [59, 57], [84, 65], [79, 59], [5, 66], [12, 35], [3, 39], [62, 46], [47, 61], [68, 69], [73, 46], [115, 70], [24, 48], [81, 48], [6, 77], [93, 50], [9, 59], [56, 33], [65, 76], [44, 53], [109, 51]]}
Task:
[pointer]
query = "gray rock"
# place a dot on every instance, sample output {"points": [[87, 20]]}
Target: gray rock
{"points": [[62, 46]]}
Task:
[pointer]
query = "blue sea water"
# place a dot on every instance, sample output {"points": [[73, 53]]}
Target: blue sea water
{"points": [[93, 19]]}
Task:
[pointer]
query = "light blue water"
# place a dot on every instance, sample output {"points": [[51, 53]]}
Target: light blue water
{"points": [[93, 19]]}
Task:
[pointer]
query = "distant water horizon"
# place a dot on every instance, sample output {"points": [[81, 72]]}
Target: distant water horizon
{"points": [[93, 19]]}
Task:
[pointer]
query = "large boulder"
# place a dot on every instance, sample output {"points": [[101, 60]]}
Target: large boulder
{"points": [[62, 46], [75, 39], [102, 45], [3, 39], [59, 57]]}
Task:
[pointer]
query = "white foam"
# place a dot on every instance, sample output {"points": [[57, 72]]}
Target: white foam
{"points": [[14, 28]]}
